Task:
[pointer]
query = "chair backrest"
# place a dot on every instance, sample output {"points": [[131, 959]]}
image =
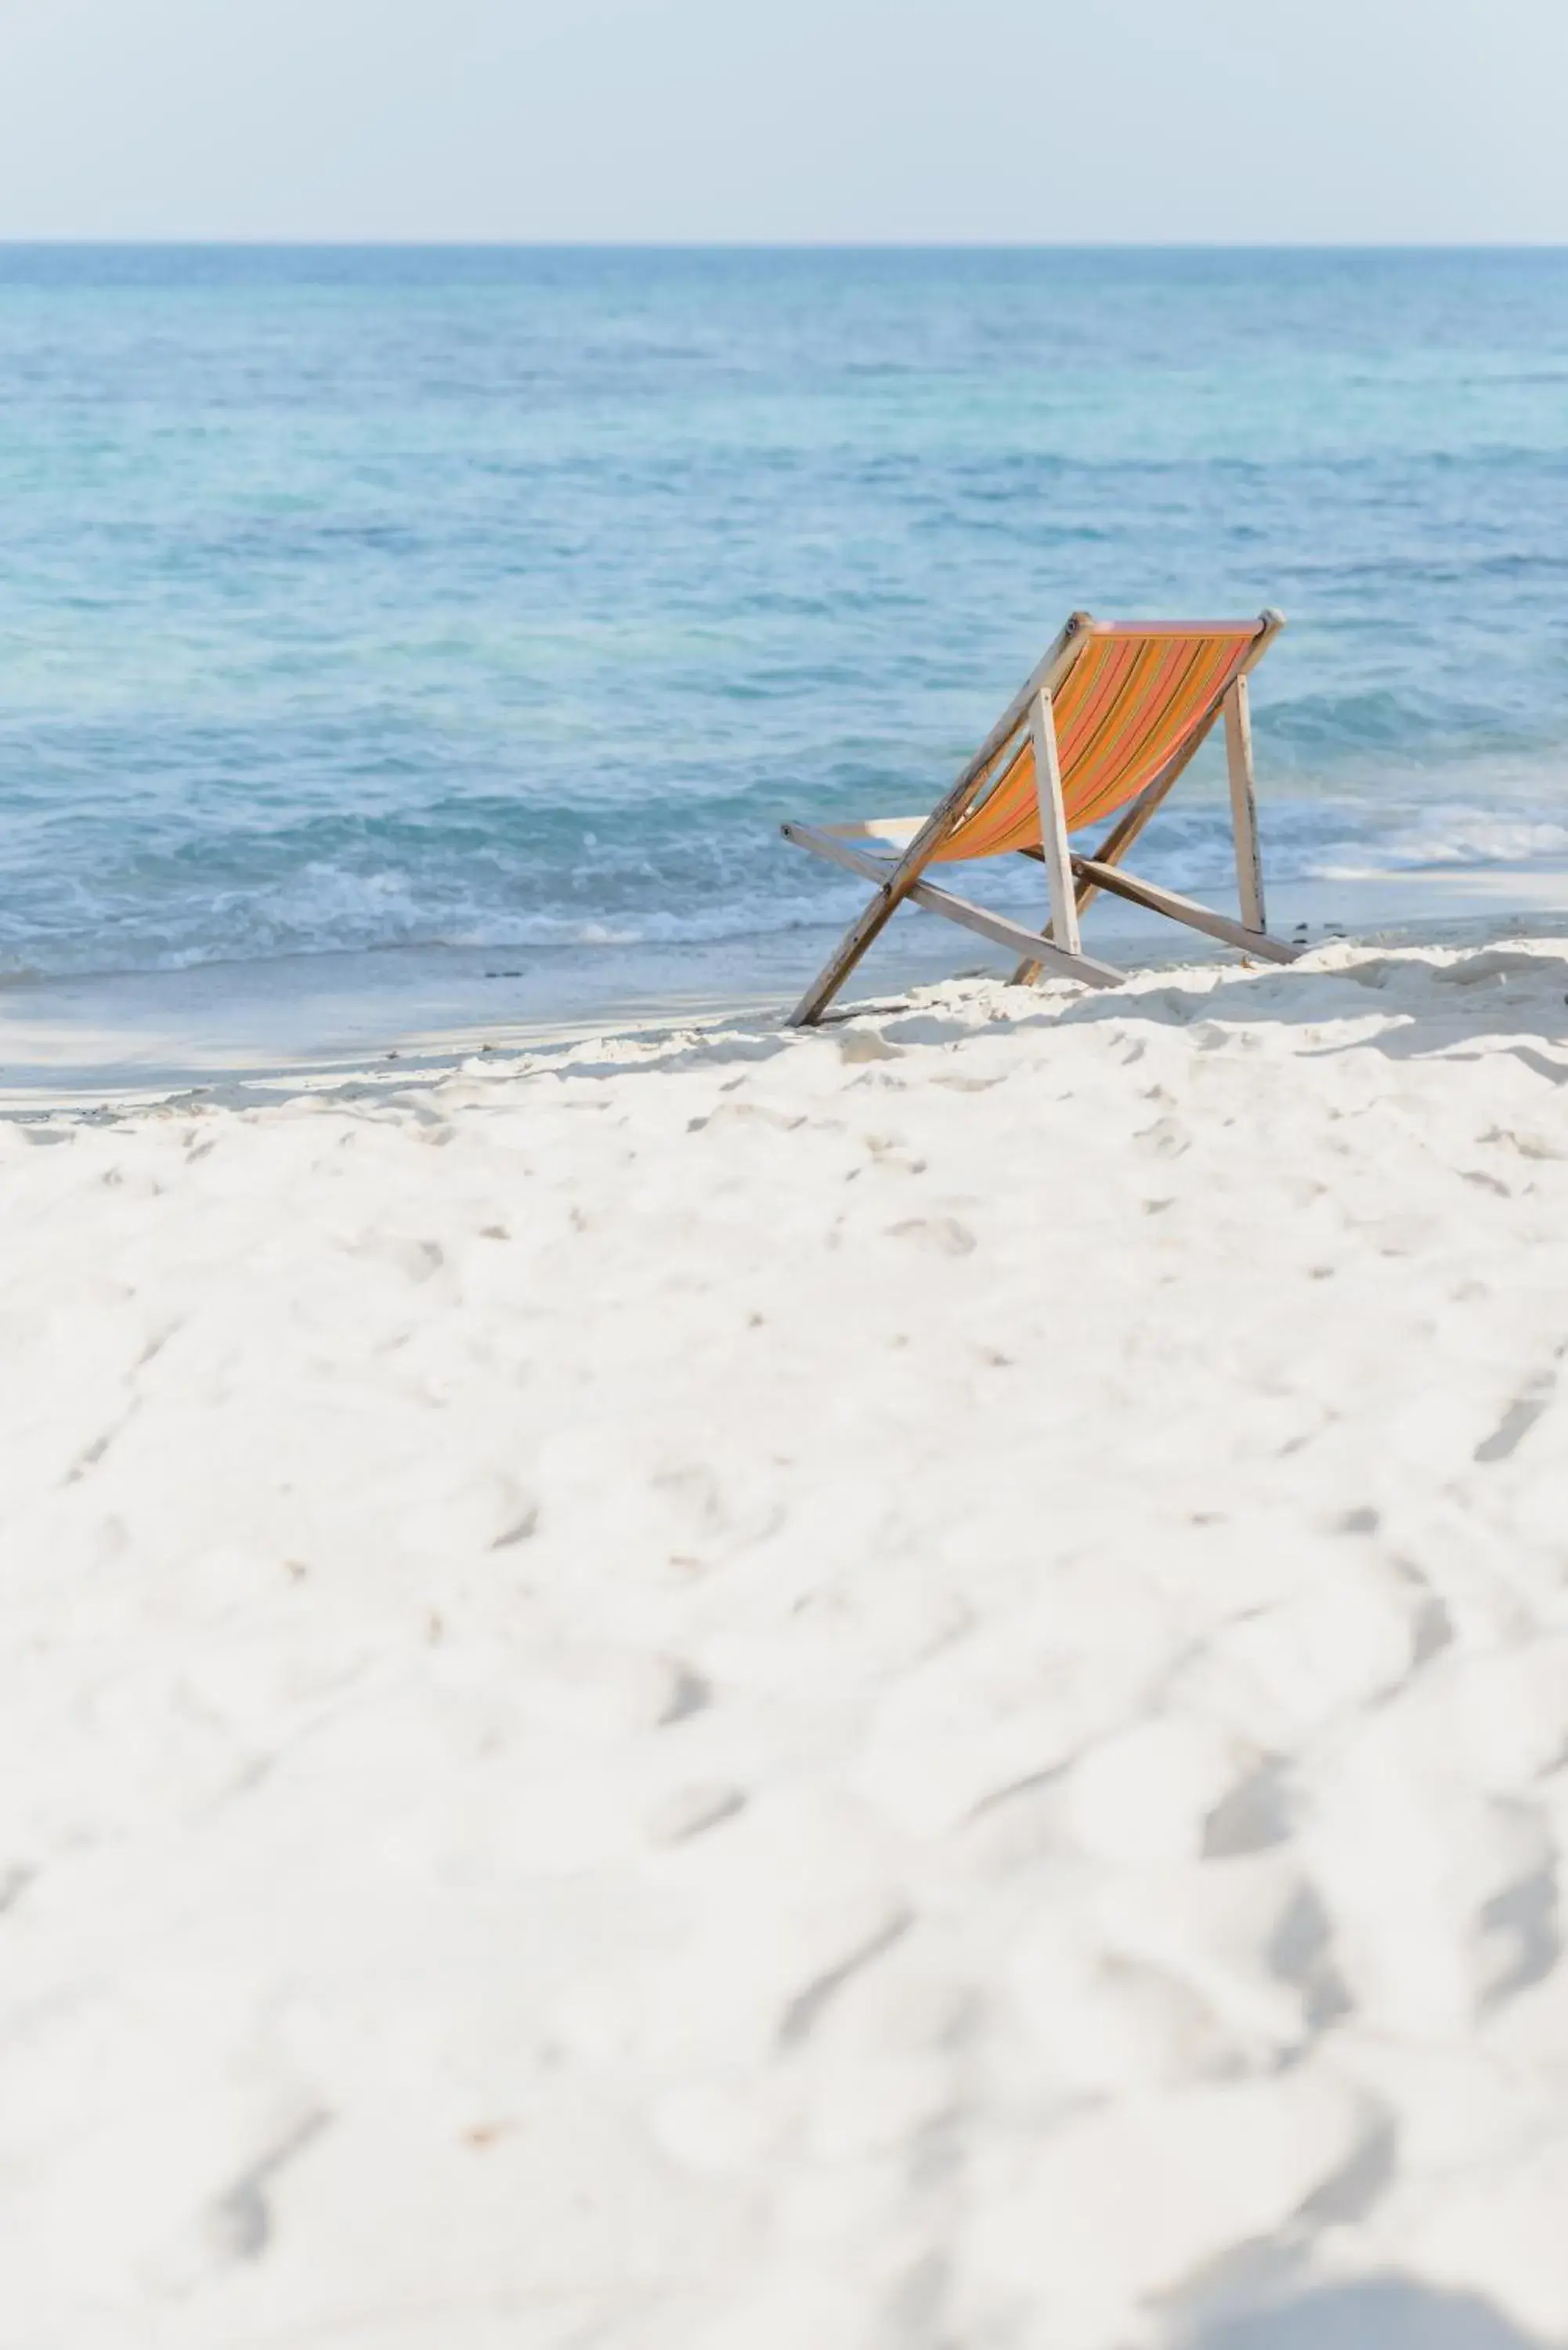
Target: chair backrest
{"points": [[1138, 699]]}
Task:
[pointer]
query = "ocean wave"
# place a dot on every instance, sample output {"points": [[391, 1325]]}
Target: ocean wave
{"points": [[585, 890]]}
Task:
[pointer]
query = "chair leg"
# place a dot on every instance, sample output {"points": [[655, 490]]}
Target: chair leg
{"points": [[861, 935], [1054, 848], [868, 926], [1054, 825], [1245, 806]]}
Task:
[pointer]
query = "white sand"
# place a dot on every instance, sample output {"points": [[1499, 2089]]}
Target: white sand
{"points": [[901, 1688]]}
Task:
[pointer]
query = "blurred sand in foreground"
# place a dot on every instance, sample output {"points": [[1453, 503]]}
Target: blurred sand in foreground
{"points": [[723, 1690]]}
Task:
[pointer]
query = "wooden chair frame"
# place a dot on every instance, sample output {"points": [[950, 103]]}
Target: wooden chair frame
{"points": [[894, 853]]}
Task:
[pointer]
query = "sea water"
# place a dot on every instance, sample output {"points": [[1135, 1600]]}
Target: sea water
{"points": [[506, 600]]}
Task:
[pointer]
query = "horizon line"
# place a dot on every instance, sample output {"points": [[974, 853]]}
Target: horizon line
{"points": [[34, 244]]}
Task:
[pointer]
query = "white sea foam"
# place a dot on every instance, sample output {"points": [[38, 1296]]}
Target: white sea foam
{"points": [[746, 886]]}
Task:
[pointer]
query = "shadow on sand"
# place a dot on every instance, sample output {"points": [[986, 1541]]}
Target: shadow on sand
{"points": [[1420, 1004], [1409, 1006], [1424, 1004], [1375, 2314]]}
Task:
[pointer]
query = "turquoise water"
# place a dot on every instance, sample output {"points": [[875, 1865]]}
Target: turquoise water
{"points": [[507, 599]]}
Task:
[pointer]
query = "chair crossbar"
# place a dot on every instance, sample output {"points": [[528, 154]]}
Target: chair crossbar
{"points": [[963, 911], [1156, 900]]}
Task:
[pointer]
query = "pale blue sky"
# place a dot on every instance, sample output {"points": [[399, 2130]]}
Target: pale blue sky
{"points": [[922, 121]]}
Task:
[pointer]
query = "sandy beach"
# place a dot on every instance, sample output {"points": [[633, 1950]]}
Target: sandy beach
{"points": [[712, 1690]]}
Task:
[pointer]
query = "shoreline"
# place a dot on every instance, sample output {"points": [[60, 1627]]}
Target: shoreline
{"points": [[304, 1022]]}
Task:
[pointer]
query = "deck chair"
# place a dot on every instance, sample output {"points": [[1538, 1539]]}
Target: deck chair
{"points": [[1103, 728]]}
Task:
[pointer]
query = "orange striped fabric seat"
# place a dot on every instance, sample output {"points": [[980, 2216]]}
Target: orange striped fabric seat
{"points": [[1136, 697]]}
